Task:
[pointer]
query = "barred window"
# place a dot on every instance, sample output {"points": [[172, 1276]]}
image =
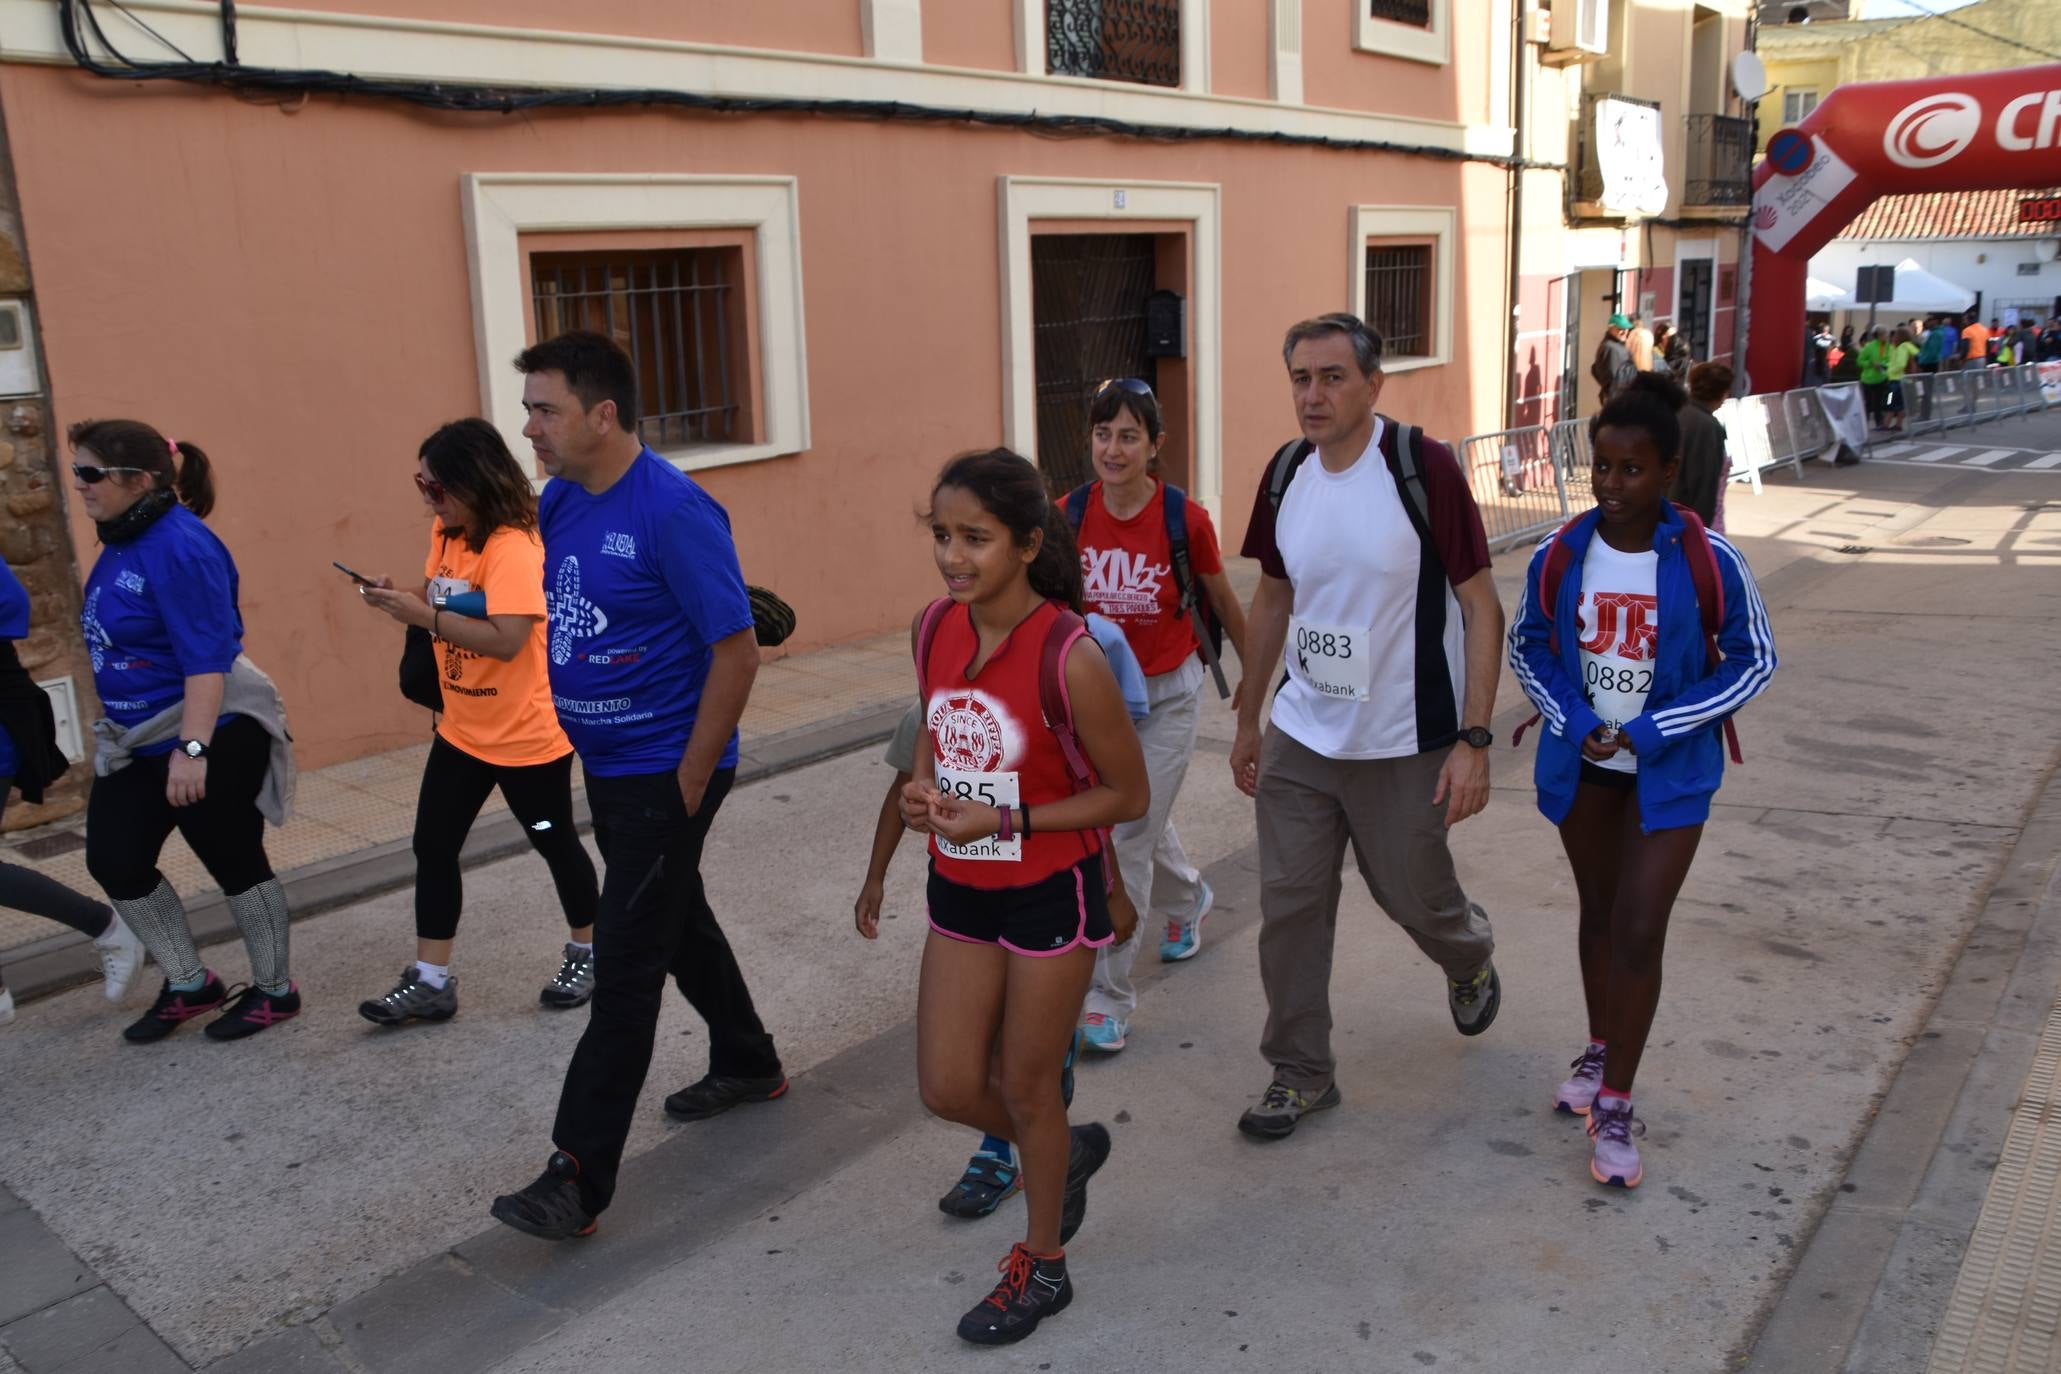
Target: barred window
{"points": [[1416, 12], [1115, 40], [1399, 286], [678, 313]]}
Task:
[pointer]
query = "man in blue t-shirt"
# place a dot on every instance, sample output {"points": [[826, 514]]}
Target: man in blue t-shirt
{"points": [[652, 656]]}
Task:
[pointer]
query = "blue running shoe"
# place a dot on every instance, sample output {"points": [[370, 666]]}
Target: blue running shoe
{"points": [[1184, 938], [990, 1177], [1104, 1033]]}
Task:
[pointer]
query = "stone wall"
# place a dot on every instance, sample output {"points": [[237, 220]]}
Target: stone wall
{"points": [[34, 538]]}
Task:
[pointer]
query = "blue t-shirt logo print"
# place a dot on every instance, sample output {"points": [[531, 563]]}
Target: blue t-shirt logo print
{"points": [[572, 615]]}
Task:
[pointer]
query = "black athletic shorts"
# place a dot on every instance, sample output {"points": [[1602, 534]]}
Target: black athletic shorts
{"points": [[1608, 777], [1065, 911]]}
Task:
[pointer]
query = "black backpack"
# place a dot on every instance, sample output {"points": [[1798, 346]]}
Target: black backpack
{"points": [[1209, 631], [1417, 503]]}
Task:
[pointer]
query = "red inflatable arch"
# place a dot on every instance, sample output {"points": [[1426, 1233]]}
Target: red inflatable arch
{"points": [[1980, 132]]}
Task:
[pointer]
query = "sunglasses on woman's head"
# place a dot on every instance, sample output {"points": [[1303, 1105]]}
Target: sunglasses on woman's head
{"points": [[433, 490], [1130, 384], [91, 473]]}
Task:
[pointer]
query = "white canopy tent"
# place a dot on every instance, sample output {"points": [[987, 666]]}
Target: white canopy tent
{"points": [[1823, 295], [1918, 292]]}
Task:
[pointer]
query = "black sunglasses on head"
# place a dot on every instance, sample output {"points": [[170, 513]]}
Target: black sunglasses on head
{"points": [[91, 473], [1130, 384]]}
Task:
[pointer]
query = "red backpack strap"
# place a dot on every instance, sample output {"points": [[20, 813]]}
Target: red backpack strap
{"points": [[1710, 599], [926, 634], [1559, 557], [1056, 702]]}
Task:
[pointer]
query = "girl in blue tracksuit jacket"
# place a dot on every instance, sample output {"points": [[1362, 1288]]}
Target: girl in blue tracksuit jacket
{"points": [[1633, 748]]}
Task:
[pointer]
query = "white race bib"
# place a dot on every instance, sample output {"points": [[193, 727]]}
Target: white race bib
{"points": [[989, 789], [1331, 660]]}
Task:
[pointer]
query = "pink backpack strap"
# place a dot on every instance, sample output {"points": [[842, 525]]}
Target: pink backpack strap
{"points": [[926, 634], [1056, 702]]}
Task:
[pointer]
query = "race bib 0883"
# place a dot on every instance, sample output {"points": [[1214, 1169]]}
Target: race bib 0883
{"points": [[1331, 660]]}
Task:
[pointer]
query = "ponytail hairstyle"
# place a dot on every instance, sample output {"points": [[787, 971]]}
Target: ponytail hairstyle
{"points": [[1009, 487], [473, 462], [172, 464], [1649, 403]]}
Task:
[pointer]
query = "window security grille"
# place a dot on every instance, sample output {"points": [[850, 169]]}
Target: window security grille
{"points": [[675, 312], [1399, 298], [1115, 40]]}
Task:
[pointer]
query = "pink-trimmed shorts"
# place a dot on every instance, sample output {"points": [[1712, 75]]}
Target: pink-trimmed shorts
{"points": [[1063, 912]]}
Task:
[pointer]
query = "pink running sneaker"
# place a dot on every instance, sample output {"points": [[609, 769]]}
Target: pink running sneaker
{"points": [[1579, 1091], [1615, 1160]]}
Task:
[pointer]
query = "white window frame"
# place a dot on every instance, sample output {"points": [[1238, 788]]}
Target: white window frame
{"points": [[1025, 199], [1391, 38], [1438, 223], [1031, 57], [500, 207], [892, 30], [1796, 94]]}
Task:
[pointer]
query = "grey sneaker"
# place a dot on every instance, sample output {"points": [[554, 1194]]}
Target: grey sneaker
{"points": [[413, 999], [575, 981], [1474, 1003], [1282, 1107]]}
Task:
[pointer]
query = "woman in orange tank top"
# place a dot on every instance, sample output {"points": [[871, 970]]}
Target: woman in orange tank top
{"points": [[1018, 893]]}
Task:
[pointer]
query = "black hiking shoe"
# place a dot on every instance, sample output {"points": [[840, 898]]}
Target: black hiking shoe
{"points": [[551, 1208], [1031, 1290], [1281, 1108], [713, 1096], [1089, 1151]]}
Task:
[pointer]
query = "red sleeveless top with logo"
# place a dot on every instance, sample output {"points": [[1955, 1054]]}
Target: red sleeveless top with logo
{"points": [[989, 743]]}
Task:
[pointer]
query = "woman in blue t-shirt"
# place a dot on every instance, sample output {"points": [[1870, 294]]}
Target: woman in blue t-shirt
{"points": [[193, 733], [31, 760]]}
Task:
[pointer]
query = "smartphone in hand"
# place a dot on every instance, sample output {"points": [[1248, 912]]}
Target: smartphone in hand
{"points": [[356, 577]]}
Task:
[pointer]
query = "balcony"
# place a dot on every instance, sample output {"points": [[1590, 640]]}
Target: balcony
{"points": [[1720, 162]]}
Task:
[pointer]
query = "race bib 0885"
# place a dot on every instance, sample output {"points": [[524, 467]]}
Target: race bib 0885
{"points": [[989, 789]]}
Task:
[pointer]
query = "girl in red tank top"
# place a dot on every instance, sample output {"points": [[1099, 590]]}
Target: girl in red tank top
{"points": [[1018, 900]]}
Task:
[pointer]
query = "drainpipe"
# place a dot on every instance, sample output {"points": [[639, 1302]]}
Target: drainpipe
{"points": [[1519, 101], [1742, 289]]}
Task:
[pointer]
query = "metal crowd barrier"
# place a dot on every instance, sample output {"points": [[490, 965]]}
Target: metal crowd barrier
{"points": [[1516, 483], [1529, 481]]}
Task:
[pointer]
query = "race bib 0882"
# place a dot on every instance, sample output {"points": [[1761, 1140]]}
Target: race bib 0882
{"points": [[1331, 660], [989, 789]]}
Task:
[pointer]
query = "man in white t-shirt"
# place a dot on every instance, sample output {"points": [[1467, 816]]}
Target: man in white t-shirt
{"points": [[1375, 581]]}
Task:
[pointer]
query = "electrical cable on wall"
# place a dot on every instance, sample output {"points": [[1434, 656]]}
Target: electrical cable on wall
{"points": [[77, 18]]}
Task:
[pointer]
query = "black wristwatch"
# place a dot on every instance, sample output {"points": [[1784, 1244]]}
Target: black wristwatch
{"points": [[194, 749], [1478, 736]]}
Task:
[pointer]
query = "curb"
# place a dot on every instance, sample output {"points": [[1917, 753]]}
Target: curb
{"points": [[1879, 1268], [66, 960]]}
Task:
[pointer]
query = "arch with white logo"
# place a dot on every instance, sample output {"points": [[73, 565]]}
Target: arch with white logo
{"points": [[1982, 132]]}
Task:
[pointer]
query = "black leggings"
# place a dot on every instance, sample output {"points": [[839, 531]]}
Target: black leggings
{"points": [[128, 818], [455, 785], [24, 889]]}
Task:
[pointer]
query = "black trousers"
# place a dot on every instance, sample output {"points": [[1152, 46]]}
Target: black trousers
{"points": [[455, 785], [654, 921], [128, 818], [24, 889]]}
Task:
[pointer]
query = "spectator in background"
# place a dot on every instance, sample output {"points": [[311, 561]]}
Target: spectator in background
{"points": [[1640, 341], [1874, 361], [1671, 353], [2050, 340], [1817, 349], [1700, 478], [1997, 335], [1846, 339], [1896, 363], [1974, 343], [1612, 367]]}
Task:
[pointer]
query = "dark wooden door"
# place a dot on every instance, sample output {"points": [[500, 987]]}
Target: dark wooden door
{"points": [[1692, 313], [1088, 318]]}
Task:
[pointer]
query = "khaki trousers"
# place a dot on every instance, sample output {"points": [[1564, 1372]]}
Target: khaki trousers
{"points": [[1309, 806]]}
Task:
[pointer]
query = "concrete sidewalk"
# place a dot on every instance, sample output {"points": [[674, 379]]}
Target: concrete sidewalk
{"points": [[314, 1199]]}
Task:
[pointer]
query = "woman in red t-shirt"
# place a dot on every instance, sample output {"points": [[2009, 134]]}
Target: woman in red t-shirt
{"points": [[1128, 569], [1017, 896]]}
